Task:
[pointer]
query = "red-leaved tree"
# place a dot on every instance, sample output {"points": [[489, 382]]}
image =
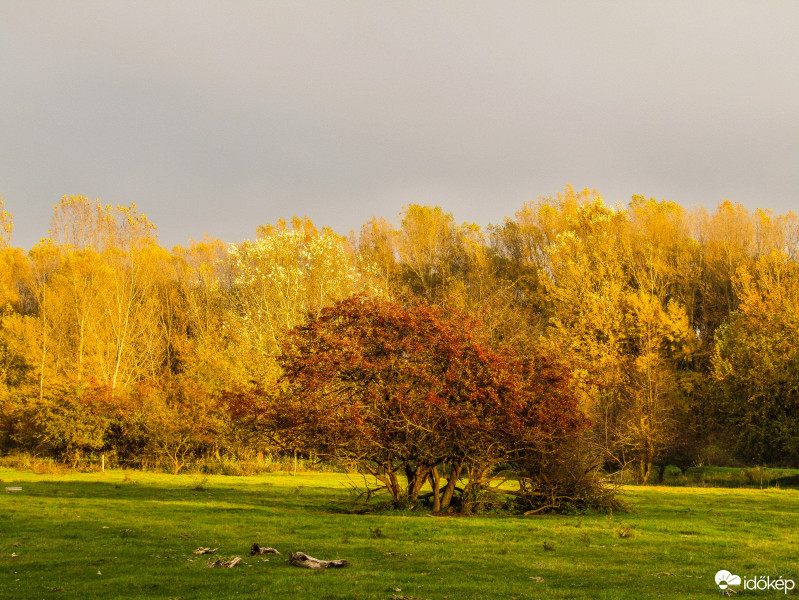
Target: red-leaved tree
{"points": [[412, 394]]}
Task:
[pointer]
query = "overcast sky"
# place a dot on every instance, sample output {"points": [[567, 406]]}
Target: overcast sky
{"points": [[219, 116]]}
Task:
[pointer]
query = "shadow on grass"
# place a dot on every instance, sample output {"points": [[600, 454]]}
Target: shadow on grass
{"points": [[268, 498], [731, 477]]}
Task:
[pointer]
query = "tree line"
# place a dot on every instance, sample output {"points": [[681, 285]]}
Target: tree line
{"points": [[675, 331]]}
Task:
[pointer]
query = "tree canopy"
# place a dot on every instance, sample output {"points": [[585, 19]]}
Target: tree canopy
{"points": [[412, 389], [671, 330]]}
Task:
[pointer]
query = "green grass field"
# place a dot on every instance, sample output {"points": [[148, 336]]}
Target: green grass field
{"points": [[131, 535]]}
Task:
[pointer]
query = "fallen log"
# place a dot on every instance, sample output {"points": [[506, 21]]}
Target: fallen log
{"points": [[257, 550], [300, 559], [202, 550], [228, 564]]}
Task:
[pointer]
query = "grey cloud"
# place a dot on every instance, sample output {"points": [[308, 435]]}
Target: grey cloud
{"points": [[215, 117]]}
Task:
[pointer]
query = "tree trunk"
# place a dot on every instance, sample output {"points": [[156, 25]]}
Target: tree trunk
{"points": [[43, 311], [395, 488], [646, 469], [435, 480], [449, 490], [418, 480]]}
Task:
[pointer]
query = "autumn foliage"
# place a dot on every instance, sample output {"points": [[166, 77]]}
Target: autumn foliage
{"points": [[412, 392], [573, 332]]}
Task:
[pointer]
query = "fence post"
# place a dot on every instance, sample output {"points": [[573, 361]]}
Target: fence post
{"points": [[102, 463]]}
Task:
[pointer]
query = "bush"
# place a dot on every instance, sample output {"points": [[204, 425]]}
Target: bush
{"points": [[564, 477]]}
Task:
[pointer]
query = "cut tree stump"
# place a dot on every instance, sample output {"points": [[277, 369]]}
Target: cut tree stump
{"points": [[225, 564], [300, 559], [258, 550], [202, 550]]}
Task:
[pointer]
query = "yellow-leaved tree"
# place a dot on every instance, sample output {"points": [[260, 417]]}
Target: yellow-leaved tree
{"points": [[284, 275], [614, 308]]}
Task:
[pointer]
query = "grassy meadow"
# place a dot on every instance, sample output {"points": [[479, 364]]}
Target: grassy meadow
{"points": [[131, 535]]}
